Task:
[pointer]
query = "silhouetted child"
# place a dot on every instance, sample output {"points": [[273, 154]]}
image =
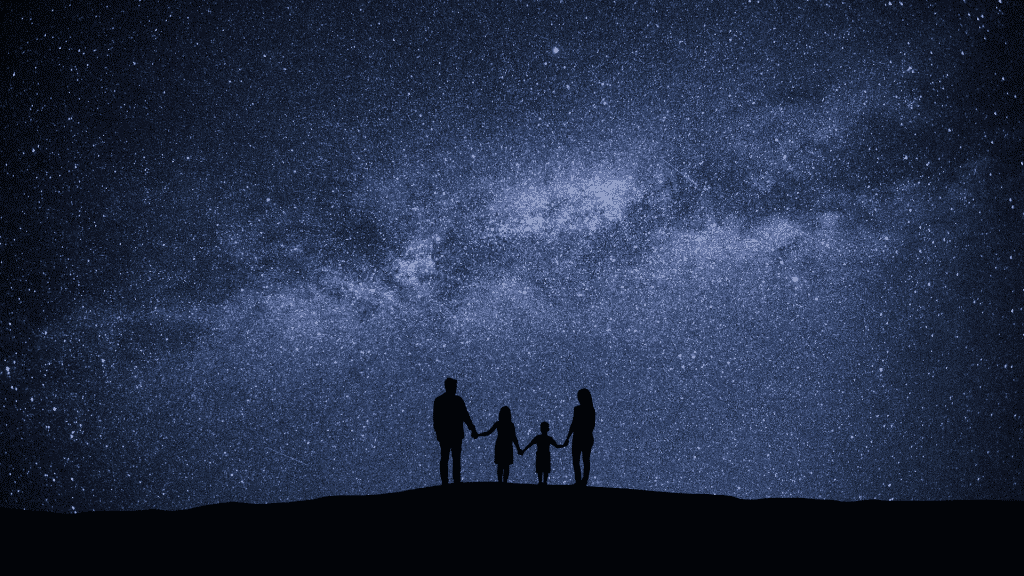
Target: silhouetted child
{"points": [[503, 445], [544, 444]]}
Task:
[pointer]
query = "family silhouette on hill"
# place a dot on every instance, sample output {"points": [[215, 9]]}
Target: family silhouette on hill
{"points": [[450, 414]]}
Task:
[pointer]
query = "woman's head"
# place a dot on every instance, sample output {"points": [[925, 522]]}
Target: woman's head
{"points": [[505, 414], [584, 397]]}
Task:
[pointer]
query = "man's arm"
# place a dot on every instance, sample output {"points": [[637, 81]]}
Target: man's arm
{"points": [[466, 418]]}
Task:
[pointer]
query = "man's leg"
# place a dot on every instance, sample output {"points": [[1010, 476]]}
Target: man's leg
{"points": [[457, 461], [445, 448]]}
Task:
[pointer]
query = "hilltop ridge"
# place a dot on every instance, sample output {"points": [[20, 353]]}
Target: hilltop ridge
{"points": [[490, 520]]}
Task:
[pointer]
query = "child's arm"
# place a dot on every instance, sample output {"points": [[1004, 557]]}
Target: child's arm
{"points": [[489, 431]]}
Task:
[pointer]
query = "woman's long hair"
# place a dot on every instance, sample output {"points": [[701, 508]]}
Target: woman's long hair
{"points": [[505, 414], [585, 398]]}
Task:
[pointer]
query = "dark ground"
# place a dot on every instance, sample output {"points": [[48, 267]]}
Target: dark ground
{"points": [[539, 527]]}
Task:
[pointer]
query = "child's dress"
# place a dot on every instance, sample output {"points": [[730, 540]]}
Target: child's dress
{"points": [[503, 445]]}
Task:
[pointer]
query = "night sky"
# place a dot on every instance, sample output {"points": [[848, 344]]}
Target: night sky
{"points": [[243, 244]]}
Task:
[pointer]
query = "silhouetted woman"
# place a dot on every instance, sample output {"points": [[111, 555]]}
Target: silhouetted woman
{"points": [[503, 445], [583, 418]]}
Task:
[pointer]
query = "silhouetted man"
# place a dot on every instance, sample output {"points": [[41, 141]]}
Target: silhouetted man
{"points": [[449, 415]]}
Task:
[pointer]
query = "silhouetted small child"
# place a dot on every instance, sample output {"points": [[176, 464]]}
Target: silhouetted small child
{"points": [[503, 445], [544, 444]]}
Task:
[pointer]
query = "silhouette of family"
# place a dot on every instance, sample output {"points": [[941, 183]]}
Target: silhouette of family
{"points": [[450, 414]]}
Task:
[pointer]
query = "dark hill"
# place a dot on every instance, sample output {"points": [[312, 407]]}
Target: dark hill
{"points": [[514, 522]]}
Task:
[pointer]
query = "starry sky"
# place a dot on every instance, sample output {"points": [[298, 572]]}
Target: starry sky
{"points": [[243, 244]]}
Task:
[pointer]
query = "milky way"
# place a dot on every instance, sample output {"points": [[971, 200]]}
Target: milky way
{"points": [[242, 247]]}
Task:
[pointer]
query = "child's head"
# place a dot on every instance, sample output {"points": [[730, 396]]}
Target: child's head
{"points": [[584, 397], [544, 427], [505, 414]]}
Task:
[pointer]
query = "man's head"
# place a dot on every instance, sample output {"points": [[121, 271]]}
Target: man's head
{"points": [[544, 427], [450, 384]]}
